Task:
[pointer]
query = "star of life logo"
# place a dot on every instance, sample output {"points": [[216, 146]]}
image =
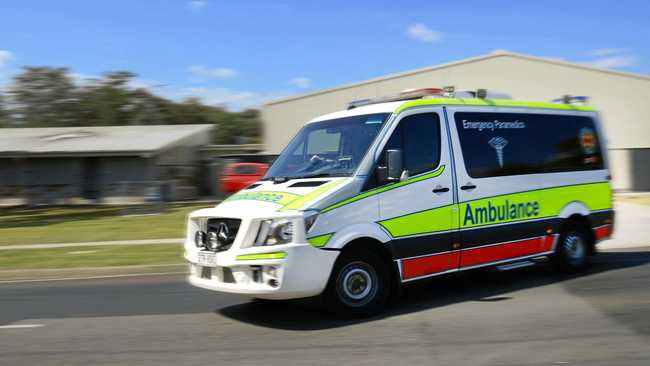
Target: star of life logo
{"points": [[498, 144]]}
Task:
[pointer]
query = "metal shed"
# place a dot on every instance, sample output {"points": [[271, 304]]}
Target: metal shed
{"points": [[98, 164]]}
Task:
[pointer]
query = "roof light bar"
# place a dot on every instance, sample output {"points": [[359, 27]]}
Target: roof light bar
{"points": [[420, 92], [476, 94], [358, 103], [448, 91], [445, 92], [406, 94]]}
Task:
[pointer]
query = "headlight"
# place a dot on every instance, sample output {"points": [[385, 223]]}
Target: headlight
{"points": [[213, 241], [274, 232], [199, 239]]}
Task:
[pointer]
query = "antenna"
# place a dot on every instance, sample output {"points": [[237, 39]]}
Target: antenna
{"points": [[571, 99]]}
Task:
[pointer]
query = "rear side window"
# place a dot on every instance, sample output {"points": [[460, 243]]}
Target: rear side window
{"points": [[498, 144], [418, 136]]}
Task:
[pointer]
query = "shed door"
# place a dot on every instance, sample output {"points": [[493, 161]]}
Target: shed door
{"points": [[91, 179]]}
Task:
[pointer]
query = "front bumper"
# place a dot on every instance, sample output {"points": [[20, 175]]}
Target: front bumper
{"points": [[303, 271]]}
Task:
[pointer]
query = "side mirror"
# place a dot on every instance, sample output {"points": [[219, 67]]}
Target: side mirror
{"points": [[393, 170]]}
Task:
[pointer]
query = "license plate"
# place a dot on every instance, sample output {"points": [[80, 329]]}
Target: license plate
{"points": [[208, 259]]}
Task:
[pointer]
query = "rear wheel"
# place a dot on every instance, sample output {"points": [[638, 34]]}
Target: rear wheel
{"points": [[359, 284], [572, 250]]}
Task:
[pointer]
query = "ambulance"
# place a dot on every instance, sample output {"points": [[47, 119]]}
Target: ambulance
{"points": [[399, 189]]}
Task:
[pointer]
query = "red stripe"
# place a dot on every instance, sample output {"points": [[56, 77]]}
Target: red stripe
{"points": [[416, 267], [549, 240], [494, 253], [422, 266], [603, 232]]}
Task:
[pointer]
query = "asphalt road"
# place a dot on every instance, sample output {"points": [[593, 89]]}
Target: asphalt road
{"points": [[529, 316]]}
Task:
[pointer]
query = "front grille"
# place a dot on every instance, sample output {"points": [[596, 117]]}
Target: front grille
{"points": [[221, 233]]}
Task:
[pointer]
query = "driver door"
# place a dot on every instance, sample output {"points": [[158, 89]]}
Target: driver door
{"points": [[419, 212]]}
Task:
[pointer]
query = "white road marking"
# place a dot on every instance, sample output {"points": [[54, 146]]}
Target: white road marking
{"points": [[21, 326], [82, 252], [94, 277]]}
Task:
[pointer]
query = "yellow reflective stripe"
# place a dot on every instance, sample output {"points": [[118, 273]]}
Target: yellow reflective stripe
{"points": [[320, 240], [385, 188], [596, 196], [302, 201], [252, 257], [281, 198], [491, 102], [429, 221]]}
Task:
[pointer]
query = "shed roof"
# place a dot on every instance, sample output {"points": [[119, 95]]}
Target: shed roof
{"points": [[95, 141]]}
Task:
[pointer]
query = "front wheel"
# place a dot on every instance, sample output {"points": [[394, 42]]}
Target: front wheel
{"points": [[359, 284], [572, 250]]}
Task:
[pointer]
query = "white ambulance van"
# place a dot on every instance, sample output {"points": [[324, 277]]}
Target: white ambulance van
{"points": [[400, 189]]}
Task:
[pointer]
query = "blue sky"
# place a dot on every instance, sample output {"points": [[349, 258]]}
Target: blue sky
{"points": [[240, 53]]}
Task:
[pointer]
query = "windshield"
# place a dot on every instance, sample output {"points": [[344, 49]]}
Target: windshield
{"points": [[332, 148]]}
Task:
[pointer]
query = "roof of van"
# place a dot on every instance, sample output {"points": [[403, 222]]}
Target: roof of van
{"points": [[399, 106]]}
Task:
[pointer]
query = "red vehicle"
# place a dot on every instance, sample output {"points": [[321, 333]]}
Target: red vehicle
{"points": [[238, 176]]}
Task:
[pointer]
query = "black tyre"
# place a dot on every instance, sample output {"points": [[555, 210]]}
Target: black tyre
{"points": [[359, 285], [573, 247]]}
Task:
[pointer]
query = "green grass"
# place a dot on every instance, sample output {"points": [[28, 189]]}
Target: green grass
{"points": [[97, 256], [85, 224]]}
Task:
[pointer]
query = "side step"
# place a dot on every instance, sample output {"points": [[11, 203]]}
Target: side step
{"points": [[515, 265]]}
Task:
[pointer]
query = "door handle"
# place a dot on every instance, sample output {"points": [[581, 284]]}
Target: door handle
{"points": [[440, 189], [468, 186]]}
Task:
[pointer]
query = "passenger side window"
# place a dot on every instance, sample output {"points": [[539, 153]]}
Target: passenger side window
{"points": [[321, 141], [418, 136]]}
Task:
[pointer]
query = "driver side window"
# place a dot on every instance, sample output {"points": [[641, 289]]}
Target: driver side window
{"points": [[418, 136]]}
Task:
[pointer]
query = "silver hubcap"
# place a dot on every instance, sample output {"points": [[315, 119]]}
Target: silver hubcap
{"points": [[357, 284], [574, 247]]}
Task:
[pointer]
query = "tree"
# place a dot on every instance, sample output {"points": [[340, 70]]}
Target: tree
{"points": [[44, 96], [148, 109], [4, 113], [238, 128], [48, 97], [107, 101]]}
